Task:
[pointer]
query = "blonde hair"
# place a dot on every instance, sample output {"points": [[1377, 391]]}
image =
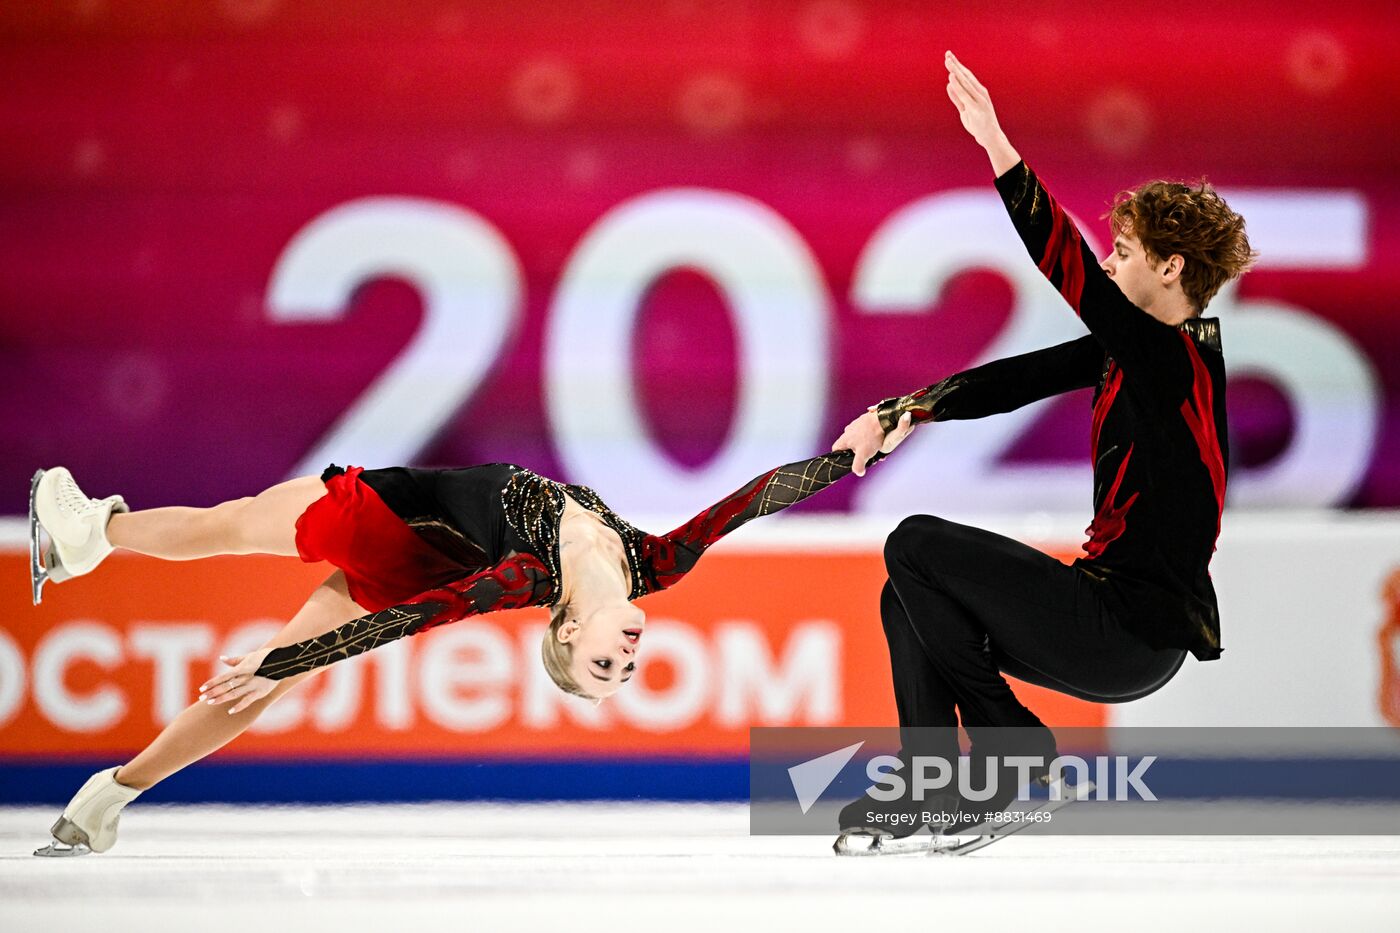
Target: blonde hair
{"points": [[559, 655]]}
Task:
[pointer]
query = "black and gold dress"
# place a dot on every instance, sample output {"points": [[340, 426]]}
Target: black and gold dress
{"points": [[420, 548]]}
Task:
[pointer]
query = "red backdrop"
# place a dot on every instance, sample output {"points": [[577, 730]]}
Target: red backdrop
{"points": [[158, 160]]}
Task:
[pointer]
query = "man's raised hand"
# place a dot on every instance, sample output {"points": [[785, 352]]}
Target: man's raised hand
{"points": [[978, 116], [971, 98]]}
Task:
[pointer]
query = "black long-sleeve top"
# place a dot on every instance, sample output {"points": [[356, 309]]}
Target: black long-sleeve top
{"points": [[1158, 434], [531, 507]]}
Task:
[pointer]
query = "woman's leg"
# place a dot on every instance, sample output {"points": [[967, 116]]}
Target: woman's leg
{"points": [[202, 729], [261, 524]]}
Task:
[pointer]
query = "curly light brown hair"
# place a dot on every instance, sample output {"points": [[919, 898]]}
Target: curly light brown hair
{"points": [[1191, 221]]}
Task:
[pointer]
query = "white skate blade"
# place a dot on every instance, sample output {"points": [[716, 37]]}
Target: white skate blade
{"points": [[68, 840], [38, 571], [867, 843], [862, 843], [59, 850], [1069, 793]]}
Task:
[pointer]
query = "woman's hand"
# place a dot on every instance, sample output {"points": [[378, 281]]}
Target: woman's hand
{"points": [[240, 684], [864, 437], [979, 118]]}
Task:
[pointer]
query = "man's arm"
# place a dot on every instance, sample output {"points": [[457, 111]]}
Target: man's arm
{"points": [[1147, 349], [991, 389], [1000, 386], [978, 116]]}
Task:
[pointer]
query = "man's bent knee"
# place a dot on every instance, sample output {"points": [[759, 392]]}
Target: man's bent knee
{"points": [[914, 538]]}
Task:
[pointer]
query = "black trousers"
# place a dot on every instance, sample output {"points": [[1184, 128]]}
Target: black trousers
{"points": [[964, 605]]}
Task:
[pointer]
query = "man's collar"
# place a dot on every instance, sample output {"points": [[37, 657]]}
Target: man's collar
{"points": [[1203, 330]]}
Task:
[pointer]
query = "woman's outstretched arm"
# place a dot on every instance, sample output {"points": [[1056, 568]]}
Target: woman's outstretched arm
{"points": [[667, 558], [514, 583]]}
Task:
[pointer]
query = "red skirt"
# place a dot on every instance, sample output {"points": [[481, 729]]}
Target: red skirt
{"points": [[385, 562]]}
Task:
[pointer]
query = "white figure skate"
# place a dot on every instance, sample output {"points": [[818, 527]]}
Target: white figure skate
{"points": [[76, 527], [89, 822]]}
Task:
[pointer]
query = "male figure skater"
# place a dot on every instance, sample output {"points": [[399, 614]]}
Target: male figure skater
{"points": [[963, 605]]}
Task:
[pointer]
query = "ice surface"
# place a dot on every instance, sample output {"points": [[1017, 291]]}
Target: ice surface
{"points": [[663, 867]]}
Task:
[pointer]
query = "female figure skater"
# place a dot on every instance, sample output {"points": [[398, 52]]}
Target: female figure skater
{"points": [[414, 549]]}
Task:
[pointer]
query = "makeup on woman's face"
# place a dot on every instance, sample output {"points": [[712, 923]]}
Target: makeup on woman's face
{"points": [[605, 649]]}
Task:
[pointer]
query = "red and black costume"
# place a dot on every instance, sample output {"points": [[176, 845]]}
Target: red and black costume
{"points": [[420, 548], [963, 605]]}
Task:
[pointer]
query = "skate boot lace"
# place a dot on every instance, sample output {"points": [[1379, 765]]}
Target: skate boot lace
{"points": [[70, 497]]}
